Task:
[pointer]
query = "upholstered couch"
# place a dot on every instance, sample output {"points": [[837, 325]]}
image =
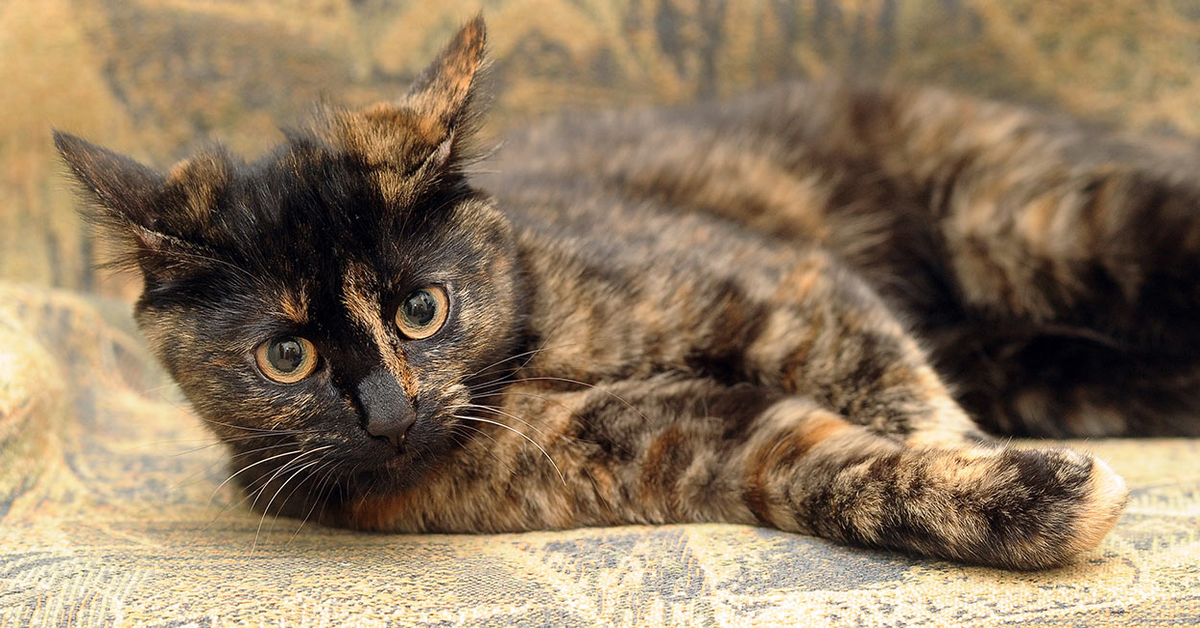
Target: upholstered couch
{"points": [[111, 509]]}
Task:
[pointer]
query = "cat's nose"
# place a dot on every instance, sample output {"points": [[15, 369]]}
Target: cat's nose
{"points": [[393, 428], [389, 411]]}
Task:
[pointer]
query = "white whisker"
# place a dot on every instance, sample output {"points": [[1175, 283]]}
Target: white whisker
{"points": [[323, 485], [497, 411], [522, 435], [531, 353], [576, 382], [267, 509]]}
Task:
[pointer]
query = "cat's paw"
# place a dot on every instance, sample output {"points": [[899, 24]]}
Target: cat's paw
{"points": [[1098, 512], [1001, 507], [1049, 506]]}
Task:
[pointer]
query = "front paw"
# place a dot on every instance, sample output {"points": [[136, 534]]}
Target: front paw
{"points": [[1033, 509]]}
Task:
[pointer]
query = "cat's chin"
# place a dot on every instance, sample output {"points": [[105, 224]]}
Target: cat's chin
{"points": [[381, 467], [399, 473], [379, 453]]}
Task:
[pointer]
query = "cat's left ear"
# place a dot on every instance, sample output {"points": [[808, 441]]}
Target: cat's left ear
{"points": [[125, 202], [125, 189]]}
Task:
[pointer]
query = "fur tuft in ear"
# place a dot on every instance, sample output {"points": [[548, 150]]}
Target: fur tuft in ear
{"points": [[123, 199], [427, 133], [441, 95]]}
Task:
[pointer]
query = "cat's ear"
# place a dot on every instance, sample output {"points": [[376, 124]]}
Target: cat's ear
{"points": [[124, 198], [427, 133], [442, 94], [119, 184]]}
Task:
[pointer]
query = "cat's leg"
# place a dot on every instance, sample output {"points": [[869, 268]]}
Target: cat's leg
{"points": [[829, 336], [669, 450]]}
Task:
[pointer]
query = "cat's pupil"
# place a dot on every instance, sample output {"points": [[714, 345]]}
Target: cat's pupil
{"points": [[286, 354], [420, 308]]}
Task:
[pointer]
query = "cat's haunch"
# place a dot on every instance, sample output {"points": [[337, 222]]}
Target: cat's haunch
{"points": [[770, 311]]}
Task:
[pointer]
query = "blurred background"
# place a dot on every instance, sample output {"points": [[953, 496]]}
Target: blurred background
{"points": [[155, 78]]}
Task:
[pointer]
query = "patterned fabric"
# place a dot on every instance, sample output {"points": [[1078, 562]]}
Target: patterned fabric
{"points": [[111, 504]]}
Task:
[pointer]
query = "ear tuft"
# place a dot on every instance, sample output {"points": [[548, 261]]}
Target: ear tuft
{"points": [[441, 94], [122, 199], [123, 187]]}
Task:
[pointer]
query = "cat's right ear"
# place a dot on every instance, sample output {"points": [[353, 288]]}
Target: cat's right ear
{"points": [[124, 197]]}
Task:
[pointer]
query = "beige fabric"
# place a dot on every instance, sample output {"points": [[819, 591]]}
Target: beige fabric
{"points": [[105, 518]]}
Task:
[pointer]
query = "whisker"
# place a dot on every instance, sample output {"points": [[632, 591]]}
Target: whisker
{"points": [[262, 489], [252, 465], [511, 471], [522, 435], [497, 411], [227, 441], [323, 485], [579, 383], [353, 485], [531, 353], [267, 509], [284, 468], [222, 460], [259, 429], [158, 388], [208, 438]]}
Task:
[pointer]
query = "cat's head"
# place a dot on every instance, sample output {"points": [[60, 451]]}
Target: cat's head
{"points": [[331, 301]]}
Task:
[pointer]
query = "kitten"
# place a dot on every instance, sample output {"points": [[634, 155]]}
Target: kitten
{"points": [[723, 313]]}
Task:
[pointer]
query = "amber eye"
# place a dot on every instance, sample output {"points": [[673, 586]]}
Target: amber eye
{"points": [[287, 359], [423, 312]]}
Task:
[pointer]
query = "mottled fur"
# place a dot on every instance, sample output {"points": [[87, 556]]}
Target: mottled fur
{"points": [[766, 311]]}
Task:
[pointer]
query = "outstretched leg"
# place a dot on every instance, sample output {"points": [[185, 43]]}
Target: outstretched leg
{"points": [[660, 451]]}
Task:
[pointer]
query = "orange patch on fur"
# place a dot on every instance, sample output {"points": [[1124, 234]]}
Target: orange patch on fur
{"points": [[295, 306], [363, 306]]}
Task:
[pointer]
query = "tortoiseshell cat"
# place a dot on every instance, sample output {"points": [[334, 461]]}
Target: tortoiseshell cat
{"points": [[721, 313]]}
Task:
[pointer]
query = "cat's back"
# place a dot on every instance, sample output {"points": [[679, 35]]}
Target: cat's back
{"points": [[672, 184], [734, 186]]}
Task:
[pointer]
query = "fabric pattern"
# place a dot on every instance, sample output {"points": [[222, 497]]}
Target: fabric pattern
{"points": [[112, 508], [112, 511]]}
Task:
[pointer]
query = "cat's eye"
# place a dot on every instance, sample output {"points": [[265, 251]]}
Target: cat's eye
{"points": [[287, 359], [423, 312]]}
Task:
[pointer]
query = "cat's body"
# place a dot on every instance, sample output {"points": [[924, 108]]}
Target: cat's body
{"points": [[711, 314], [1048, 267]]}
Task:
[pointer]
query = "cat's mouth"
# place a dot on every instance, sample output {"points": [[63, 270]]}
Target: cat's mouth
{"points": [[379, 451], [400, 453]]}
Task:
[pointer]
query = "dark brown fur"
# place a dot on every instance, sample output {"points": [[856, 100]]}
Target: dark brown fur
{"points": [[766, 311]]}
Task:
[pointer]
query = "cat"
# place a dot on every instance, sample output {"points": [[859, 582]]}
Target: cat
{"points": [[809, 308]]}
